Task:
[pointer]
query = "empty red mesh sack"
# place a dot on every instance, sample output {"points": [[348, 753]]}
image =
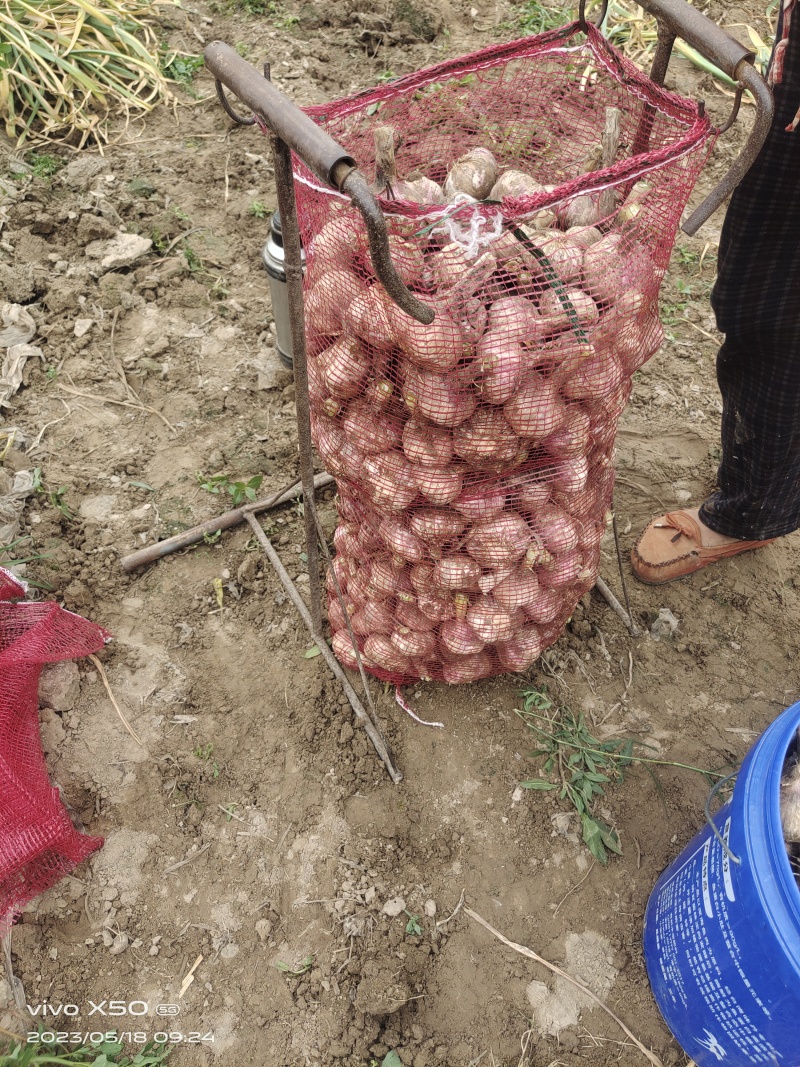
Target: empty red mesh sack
{"points": [[38, 843], [474, 456]]}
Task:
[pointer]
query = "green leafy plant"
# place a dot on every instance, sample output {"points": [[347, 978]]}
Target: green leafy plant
{"points": [[258, 209], [14, 555], [239, 491], [412, 926], [579, 765], [205, 752], [249, 7], [193, 260], [45, 166], [181, 68], [56, 498], [39, 1053], [534, 16], [295, 972]]}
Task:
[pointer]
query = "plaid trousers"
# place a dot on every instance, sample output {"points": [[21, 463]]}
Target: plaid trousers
{"points": [[756, 299]]}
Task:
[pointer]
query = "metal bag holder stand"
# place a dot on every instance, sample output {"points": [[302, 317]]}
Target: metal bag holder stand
{"points": [[291, 130]]}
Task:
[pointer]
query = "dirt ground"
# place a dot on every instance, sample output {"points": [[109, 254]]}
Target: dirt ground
{"points": [[254, 826]]}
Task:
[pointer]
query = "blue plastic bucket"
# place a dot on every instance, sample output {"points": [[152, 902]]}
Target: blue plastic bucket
{"points": [[722, 927]]}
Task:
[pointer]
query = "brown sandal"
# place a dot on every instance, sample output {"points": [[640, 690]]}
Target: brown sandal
{"points": [[671, 547]]}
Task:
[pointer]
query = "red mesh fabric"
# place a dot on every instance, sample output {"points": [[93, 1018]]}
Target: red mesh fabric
{"points": [[38, 843], [474, 456]]}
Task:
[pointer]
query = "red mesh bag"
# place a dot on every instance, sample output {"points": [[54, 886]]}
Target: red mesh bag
{"points": [[474, 456], [38, 843]]}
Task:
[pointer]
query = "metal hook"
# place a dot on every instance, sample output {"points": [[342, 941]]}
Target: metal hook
{"points": [[737, 103], [582, 15], [227, 107], [714, 790]]}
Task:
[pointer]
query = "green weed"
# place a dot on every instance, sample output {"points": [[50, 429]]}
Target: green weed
{"points": [[15, 555], [258, 209], [412, 926], [206, 752], [295, 972], [45, 166], [56, 498], [39, 1053], [536, 16], [239, 491], [248, 7], [182, 69], [579, 765], [193, 260]]}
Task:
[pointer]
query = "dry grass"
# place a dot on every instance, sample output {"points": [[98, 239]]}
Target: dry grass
{"points": [[67, 65]]}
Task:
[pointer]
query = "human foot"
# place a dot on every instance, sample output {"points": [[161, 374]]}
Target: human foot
{"points": [[678, 544]]}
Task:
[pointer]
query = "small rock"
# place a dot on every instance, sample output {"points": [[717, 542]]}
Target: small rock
{"points": [[430, 908], [119, 944], [44, 226], [53, 953], [79, 173], [665, 625], [561, 822], [394, 907], [263, 929], [51, 730], [93, 228], [354, 926], [369, 895], [120, 251], [59, 686], [82, 326], [141, 187], [271, 372], [228, 952]]}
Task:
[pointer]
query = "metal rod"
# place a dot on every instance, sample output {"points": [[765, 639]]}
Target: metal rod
{"points": [[750, 79], [658, 72], [666, 39], [614, 604], [631, 623], [701, 33], [284, 184], [222, 522], [291, 591]]}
